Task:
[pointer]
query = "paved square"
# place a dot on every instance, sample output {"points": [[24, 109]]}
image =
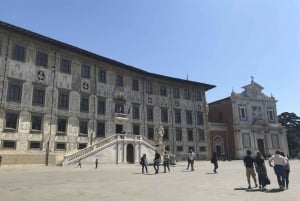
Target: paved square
{"points": [[126, 183]]}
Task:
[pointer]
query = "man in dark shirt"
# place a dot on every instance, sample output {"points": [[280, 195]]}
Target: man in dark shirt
{"points": [[248, 162], [156, 162]]}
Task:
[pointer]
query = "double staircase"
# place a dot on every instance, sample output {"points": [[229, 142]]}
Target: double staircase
{"points": [[105, 143]]}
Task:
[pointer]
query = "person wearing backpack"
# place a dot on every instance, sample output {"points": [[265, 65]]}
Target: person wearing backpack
{"points": [[144, 163]]}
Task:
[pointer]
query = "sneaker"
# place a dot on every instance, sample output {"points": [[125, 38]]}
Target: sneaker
{"points": [[249, 187], [259, 187]]}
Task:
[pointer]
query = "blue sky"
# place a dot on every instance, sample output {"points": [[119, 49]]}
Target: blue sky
{"points": [[219, 42]]}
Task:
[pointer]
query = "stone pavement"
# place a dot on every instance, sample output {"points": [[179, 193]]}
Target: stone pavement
{"points": [[126, 183]]}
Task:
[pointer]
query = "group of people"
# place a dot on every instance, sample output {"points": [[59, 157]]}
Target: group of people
{"points": [[156, 162], [278, 161], [166, 162], [96, 163], [253, 166]]}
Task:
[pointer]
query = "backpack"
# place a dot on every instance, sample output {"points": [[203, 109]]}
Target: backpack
{"points": [[141, 161]]}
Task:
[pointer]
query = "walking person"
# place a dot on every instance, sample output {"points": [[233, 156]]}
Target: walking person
{"points": [[248, 162], [214, 160], [191, 159], [278, 164], [166, 162], [144, 163], [96, 163], [261, 170], [79, 163], [286, 170], [156, 162]]}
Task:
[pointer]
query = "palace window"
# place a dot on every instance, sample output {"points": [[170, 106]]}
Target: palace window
{"points": [[101, 76], [36, 122], [190, 135], [83, 127], [164, 115], [199, 118], [136, 129], [18, 53], [14, 92], [101, 107], [135, 85], [197, 95], [150, 133], [60, 146], [135, 112], [187, 94], [179, 148], [100, 129], [201, 135], [202, 149], [35, 145], [189, 118], [149, 114], [38, 96], [82, 145], [63, 101], [149, 88], [178, 134], [85, 71], [41, 59], [119, 107], [84, 104], [65, 66], [12, 121], [176, 93], [119, 81], [61, 125], [9, 144], [177, 117], [166, 134], [163, 91]]}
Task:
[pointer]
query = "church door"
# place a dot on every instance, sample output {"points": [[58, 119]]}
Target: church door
{"points": [[261, 146]]}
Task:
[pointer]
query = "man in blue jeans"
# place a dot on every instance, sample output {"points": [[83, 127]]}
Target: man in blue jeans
{"points": [[191, 159], [279, 163]]}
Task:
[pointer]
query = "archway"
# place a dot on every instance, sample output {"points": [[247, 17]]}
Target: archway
{"points": [[218, 146], [130, 153]]}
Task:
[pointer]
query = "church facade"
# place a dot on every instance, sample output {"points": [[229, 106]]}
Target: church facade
{"points": [[57, 99], [246, 121]]}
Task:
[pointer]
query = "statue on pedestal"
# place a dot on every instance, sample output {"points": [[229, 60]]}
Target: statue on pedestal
{"points": [[159, 134]]}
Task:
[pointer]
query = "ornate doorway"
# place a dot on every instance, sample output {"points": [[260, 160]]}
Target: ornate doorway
{"points": [[130, 153], [218, 146], [261, 146]]}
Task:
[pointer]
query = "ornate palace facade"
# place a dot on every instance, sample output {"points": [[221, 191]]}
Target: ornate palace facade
{"points": [[58, 99]]}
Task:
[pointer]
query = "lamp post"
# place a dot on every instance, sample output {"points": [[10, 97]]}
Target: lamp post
{"points": [[51, 112]]}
